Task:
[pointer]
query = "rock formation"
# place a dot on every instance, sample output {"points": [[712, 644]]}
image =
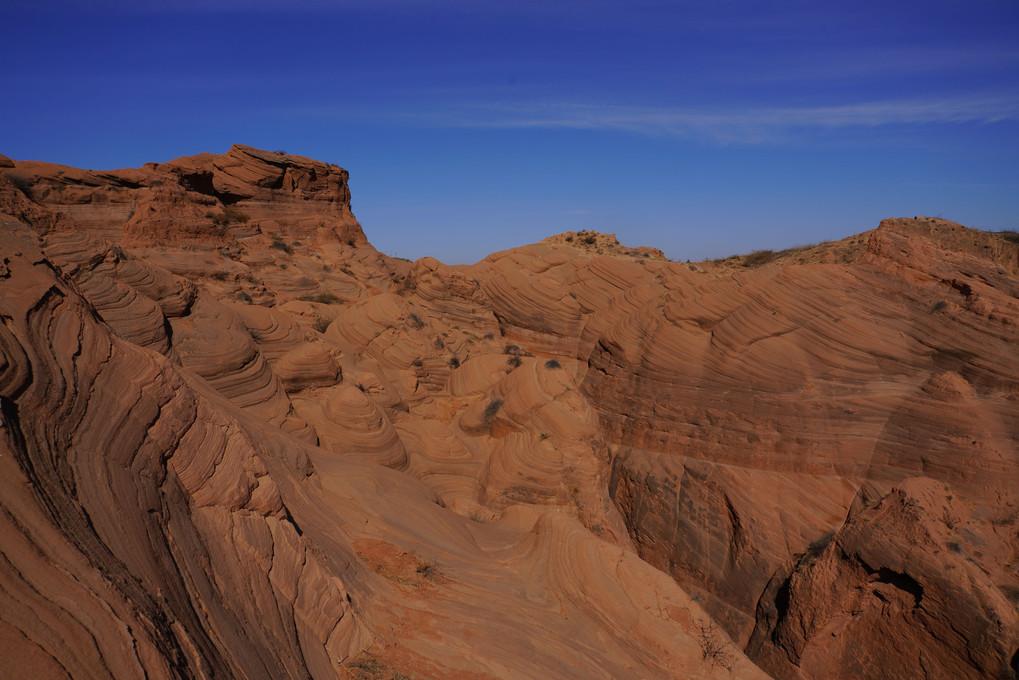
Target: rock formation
{"points": [[237, 441]]}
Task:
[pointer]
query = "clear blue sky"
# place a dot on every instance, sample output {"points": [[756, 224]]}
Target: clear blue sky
{"points": [[468, 126]]}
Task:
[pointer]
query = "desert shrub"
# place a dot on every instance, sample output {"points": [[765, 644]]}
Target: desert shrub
{"points": [[234, 215], [454, 361], [715, 650], [817, 547], [493, 408], [428, 571], [244, 297], [514, 355], [407, 284], [325, 298], [414, 321], [759, 257], [553, 363], [367, 667], [590, 240], [1010, 235], [280, 245]]}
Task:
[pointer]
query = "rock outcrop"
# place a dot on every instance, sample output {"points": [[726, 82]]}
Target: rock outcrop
{"points": [[237, 441], [207, 200]]}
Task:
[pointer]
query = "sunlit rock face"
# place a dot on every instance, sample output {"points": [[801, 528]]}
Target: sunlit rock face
{"points": [[237, 441]]}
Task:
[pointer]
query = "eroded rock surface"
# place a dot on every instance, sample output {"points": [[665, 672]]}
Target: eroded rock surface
{"points": [[240, 442]]}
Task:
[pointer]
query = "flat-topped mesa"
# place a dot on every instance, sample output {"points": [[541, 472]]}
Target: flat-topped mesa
{"points": [[597, 243], [205, 200]]}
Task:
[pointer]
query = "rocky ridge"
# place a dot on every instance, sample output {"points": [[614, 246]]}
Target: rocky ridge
{"points": [[246, 444]]}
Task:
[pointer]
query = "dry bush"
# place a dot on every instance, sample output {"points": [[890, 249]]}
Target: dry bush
{"points": [[492, 409], [325, 298]]}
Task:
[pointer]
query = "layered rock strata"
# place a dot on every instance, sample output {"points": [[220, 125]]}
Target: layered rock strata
{"points": [[240, 442]]}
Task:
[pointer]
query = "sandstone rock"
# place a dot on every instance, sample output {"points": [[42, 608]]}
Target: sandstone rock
{"points": [[237, 441]]}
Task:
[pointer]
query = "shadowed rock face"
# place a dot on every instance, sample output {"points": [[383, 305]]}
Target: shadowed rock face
{"points": [[237, 441]]}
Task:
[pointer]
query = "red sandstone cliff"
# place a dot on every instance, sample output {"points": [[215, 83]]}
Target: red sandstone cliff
{"points": [[239, 442]]}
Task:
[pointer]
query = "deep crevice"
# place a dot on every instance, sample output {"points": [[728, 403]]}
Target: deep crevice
{"points": [[903, 582]]}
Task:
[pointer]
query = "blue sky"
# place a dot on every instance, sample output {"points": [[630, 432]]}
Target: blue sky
{"points": [[704, 128]]}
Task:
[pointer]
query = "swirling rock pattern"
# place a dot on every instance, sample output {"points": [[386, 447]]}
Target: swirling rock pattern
{"points": [[237, 441]]}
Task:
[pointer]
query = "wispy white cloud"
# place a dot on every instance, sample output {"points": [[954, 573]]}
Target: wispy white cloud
{"points": [[746, 125]]}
